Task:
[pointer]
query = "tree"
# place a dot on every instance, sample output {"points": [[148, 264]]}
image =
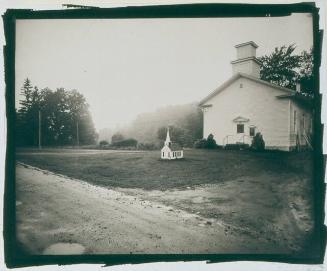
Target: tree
{"points": [[193, 125], [162, 133], [60, 111], [130, 142], [103, 143], [258, 144], [56, 122], [26, 91], [177, 134], [280, 67], [306, 73], [78, 109], [27, 115], [187, 117], [284, 68], [116, 138]]}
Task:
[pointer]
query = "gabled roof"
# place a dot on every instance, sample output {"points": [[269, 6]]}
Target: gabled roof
{"points": [[237, 76]]}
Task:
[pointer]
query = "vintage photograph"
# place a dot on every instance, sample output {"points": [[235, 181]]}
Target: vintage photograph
{"points": [[165, 136]]}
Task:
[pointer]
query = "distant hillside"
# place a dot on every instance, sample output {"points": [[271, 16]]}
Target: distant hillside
{"points": [[187, 118]]}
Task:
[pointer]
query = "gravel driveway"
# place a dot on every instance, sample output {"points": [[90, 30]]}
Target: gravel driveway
{"points": [[60, 215]]}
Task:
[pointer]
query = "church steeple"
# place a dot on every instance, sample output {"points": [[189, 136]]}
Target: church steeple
{"points": [[167, 142]]}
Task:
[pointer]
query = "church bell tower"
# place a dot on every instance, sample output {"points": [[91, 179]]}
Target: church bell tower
{"points": [[246, 61]]}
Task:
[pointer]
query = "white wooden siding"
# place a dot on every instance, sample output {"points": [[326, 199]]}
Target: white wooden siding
{"points": [[297, 130], [252, 100]]}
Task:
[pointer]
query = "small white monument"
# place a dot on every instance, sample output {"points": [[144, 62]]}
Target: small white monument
{"points": [[171, 150]]}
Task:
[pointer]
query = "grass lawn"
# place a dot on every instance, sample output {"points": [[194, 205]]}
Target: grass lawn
{"points": [[262, 195], [128, 169]]}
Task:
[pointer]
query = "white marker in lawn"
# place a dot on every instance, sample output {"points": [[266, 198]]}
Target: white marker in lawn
{"points": [[171, 150]]}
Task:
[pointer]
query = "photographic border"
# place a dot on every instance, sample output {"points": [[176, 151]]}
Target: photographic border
{"points": [[15, 255]]}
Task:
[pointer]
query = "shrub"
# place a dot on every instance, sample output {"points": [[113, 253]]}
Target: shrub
{"points": [[208, 143], [117, 137], [131, 142], [258, 144], [103, 143], [211, 143], [200, 143]]}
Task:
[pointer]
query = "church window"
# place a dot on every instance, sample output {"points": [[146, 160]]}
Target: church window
{"points": [[163, 154], [240, 128], [252, 131]]}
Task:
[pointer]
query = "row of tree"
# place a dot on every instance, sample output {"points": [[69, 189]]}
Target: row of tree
{"points": [[53, 118]]}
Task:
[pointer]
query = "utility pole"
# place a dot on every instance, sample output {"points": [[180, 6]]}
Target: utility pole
{"points": [[77, 134], [40, 147]]}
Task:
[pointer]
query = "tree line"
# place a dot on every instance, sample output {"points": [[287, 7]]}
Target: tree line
{"points": [[53, 118]]}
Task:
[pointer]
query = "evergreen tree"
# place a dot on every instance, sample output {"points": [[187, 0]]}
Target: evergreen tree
{"points": [[26, 92], [27, 115]]}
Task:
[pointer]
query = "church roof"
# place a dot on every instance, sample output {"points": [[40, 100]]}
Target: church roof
{"points": [[237, 76], [300, 98]]}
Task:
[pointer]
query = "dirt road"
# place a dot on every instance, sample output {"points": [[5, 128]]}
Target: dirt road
{"points": [[59, 215]]}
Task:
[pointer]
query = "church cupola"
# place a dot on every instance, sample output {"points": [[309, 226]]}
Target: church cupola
{"points": [[246, 61]]}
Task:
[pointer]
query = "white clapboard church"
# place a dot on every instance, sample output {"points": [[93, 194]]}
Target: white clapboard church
{"points": [[245, 105], [171, 150]]}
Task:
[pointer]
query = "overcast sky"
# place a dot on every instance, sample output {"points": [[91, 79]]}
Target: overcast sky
{"points": [[125, 67]]}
